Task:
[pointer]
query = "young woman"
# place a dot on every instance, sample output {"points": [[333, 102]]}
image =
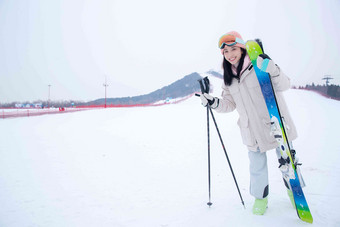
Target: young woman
{"points": [[241, 91]]}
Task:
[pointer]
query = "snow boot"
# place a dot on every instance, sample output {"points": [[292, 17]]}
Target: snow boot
{"points": [[291, 197], [260, 206]]}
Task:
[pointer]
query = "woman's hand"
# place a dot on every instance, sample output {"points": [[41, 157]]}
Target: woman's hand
{"points": [[208, 99], [266, 64]]}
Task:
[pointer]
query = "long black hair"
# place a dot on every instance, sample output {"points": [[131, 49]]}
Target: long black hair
{"points": [[228, 73]]}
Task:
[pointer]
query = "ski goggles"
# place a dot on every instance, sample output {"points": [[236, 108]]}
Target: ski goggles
{"points": [[229, 40]]}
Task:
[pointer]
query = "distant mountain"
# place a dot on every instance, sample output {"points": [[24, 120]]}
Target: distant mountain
{"points": [[216, 74], [180, 88]]}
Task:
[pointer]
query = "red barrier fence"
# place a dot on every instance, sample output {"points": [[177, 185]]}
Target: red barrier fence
{"points": [[19, 112], [23, 112]]}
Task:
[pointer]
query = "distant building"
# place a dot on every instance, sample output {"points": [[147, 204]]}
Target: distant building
{"points": [[38, 105]]}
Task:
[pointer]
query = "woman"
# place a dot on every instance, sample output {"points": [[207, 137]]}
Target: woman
{"points": [[242, 91]]}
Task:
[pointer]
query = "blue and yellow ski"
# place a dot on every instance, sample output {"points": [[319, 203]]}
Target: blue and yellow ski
{"points": [[254, 50]]}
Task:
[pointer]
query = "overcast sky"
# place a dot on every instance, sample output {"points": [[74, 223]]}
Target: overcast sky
{"points": [[143, 45]]}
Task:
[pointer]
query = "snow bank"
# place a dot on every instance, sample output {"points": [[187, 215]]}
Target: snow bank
{"points": [[148, 167]]}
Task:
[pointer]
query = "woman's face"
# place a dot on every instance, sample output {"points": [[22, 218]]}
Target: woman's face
{"points": [[232, 54]]}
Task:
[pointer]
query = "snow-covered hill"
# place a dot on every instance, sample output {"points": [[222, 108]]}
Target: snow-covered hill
{"points": [[148, 167]]}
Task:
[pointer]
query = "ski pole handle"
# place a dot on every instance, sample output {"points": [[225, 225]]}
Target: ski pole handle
{"points": [[206, 84], [205, 88], [201, 85]]}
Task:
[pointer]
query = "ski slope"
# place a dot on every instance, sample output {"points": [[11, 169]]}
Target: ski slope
{"points": [[147, 166]]}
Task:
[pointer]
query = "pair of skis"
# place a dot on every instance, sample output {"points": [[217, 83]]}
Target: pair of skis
{"points": [[288, 155]]}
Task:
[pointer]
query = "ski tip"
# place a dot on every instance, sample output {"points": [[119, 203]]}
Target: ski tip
{"points": [[310, 221], [306, 217]]}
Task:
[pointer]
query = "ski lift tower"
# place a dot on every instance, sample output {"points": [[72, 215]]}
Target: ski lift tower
{"points": [[327, 78], [49, 96], [105, 85]]}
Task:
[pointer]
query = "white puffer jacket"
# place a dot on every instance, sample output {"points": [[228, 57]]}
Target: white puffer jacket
{"points": [[246, 97]]}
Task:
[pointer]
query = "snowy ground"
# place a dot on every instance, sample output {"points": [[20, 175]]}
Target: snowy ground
{"points": [[148, 167]]}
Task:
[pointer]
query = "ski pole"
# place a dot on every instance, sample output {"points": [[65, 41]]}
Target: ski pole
{"points": [[209, 176], [206, 90], [208, 135], [225, 152]]}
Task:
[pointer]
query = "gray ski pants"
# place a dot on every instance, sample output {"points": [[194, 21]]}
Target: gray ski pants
{"points": [[259, 186]]}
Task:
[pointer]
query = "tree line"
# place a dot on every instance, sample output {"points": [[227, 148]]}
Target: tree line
{"points": [[332, 91]]}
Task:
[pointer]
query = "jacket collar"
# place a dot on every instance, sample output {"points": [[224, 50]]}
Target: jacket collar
{"points": [[246, 72], [246, 63]]}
